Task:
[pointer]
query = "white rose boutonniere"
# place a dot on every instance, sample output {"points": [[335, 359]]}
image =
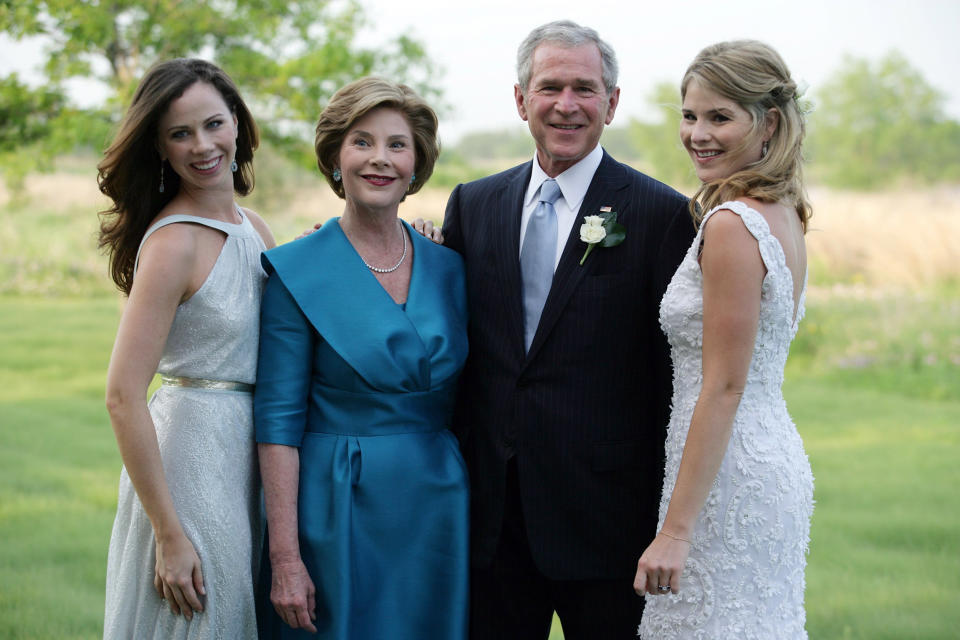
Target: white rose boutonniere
{"points": [[602, 229]]}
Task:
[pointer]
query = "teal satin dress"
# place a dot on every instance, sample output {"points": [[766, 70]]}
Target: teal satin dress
{"points": [[364, 388]]}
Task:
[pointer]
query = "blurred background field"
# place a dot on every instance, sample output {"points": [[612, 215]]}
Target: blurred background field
{"points": [[873, 384]]}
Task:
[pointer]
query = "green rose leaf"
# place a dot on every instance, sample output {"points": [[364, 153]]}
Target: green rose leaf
{"points": [[616, 233]]}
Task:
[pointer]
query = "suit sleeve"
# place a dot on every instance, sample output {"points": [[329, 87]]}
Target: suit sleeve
{"points": [[452, 220], [673, 247], [283, 368]]}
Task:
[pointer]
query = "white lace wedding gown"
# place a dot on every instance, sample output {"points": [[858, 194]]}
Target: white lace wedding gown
{"points": [[744, 578], [209, 458]]}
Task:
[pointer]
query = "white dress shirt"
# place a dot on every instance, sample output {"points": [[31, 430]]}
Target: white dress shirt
{"points": [[573, 184]]}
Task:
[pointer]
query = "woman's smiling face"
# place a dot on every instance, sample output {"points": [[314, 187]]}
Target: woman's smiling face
{"points": [[198, 137], [377, 159], [717, 133]]}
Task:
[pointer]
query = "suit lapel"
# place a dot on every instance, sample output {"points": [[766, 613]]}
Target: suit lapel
{"points": [[607, 181]]}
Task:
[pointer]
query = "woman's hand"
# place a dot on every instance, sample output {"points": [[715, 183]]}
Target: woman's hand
{"points": [[427, 230], [293, 594], [178, 576], [661, 566]]}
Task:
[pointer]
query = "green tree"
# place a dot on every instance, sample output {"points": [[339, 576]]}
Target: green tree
{"points": [[657, 143], [878, 123], [36, 124], [287, 57]]}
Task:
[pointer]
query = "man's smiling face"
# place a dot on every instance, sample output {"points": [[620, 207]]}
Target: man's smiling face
{"points": [[565, 104]]}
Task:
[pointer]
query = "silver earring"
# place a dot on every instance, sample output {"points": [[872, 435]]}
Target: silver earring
{"points": [[336, 175], [764, 148], [233, 165], [161, 176]]}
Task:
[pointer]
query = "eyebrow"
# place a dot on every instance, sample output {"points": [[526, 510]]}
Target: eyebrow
{"points": [[395, 136], [577, 82], [720, 110], [185, 126]]}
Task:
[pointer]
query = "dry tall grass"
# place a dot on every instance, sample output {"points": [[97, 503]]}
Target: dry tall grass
{"points": [[903, 239], [892, 239]]}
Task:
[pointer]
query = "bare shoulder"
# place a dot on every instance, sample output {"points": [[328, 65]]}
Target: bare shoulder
{"points": [[262, 228], [781, 218], [729, 250], [172, 243], [171, 249], [724, 227]]}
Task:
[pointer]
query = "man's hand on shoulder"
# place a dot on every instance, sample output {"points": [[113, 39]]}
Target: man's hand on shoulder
{"points": [[428, 230]]}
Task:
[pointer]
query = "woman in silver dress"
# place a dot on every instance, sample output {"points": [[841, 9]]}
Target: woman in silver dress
{"points": [[183, 550]]}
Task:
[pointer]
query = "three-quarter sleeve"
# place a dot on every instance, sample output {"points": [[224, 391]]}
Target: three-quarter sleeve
{"points": [[283, 369]]}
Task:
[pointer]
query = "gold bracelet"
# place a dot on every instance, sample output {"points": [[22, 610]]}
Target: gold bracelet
{"points": [[670, 535]]}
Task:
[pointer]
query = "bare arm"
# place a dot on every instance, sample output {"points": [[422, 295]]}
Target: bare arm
{"points": [[733, 273], [292, 591], [163, 279], [280, 407]]}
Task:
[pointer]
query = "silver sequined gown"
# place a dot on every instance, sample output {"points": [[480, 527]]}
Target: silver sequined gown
{"points": [[744, 577], [209, 457]]}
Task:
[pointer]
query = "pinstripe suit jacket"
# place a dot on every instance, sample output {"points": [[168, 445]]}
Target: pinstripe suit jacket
{"points": [[585, 411]]}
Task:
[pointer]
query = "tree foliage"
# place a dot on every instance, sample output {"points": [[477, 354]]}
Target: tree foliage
{"points": [[878, 123], [36, 124], [286, 57]]}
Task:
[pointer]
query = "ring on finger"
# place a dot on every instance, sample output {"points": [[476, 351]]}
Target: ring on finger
{"points": [[663, 588]]}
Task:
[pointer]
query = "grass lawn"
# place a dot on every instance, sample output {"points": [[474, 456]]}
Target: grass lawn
{"points": [[884, 557]]}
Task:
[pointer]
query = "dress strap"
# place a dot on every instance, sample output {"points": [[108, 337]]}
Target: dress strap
{"points": [[226, 227]]}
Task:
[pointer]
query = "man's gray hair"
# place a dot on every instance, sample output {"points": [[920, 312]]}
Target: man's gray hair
{"points": [[567, 34]]}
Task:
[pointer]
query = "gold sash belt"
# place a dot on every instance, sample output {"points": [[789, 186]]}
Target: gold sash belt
{"points": [[202, 383]]}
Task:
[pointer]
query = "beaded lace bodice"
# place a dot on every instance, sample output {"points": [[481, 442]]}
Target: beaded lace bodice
{"points": [[745, 574]]}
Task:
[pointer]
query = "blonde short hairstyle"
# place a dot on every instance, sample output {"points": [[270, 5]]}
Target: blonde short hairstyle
{"points": [[753, 75], [357, 99]]}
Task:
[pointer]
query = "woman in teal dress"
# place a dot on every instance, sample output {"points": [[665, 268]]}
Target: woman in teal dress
{"points": [[363, 335]]}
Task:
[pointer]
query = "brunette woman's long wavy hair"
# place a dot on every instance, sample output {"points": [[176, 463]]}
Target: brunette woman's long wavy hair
{"points": [[754, 76], [129, 173]]}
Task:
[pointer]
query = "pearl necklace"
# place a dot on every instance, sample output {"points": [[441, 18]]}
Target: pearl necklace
{"points": [[403, 257]]}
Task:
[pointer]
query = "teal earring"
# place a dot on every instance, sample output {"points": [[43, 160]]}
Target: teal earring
{"points": [[336, 175]]}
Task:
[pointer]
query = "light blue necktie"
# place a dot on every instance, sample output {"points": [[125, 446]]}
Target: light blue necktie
{"points": [[538, 257]]}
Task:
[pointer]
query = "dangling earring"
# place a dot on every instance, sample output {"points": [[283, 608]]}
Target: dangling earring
{"points": [[161, 176], [764, 148], [413, 178], [336, 175], [233, 165]]}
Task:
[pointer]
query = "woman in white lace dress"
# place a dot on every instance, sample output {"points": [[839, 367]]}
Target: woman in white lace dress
{"points": [[729, 558], [183, 553]]}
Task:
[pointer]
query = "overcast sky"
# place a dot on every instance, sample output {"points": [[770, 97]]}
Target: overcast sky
{"points": [[476, 43]]}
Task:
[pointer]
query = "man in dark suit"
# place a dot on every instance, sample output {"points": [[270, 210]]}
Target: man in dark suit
{"points": [[564, 402]]}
